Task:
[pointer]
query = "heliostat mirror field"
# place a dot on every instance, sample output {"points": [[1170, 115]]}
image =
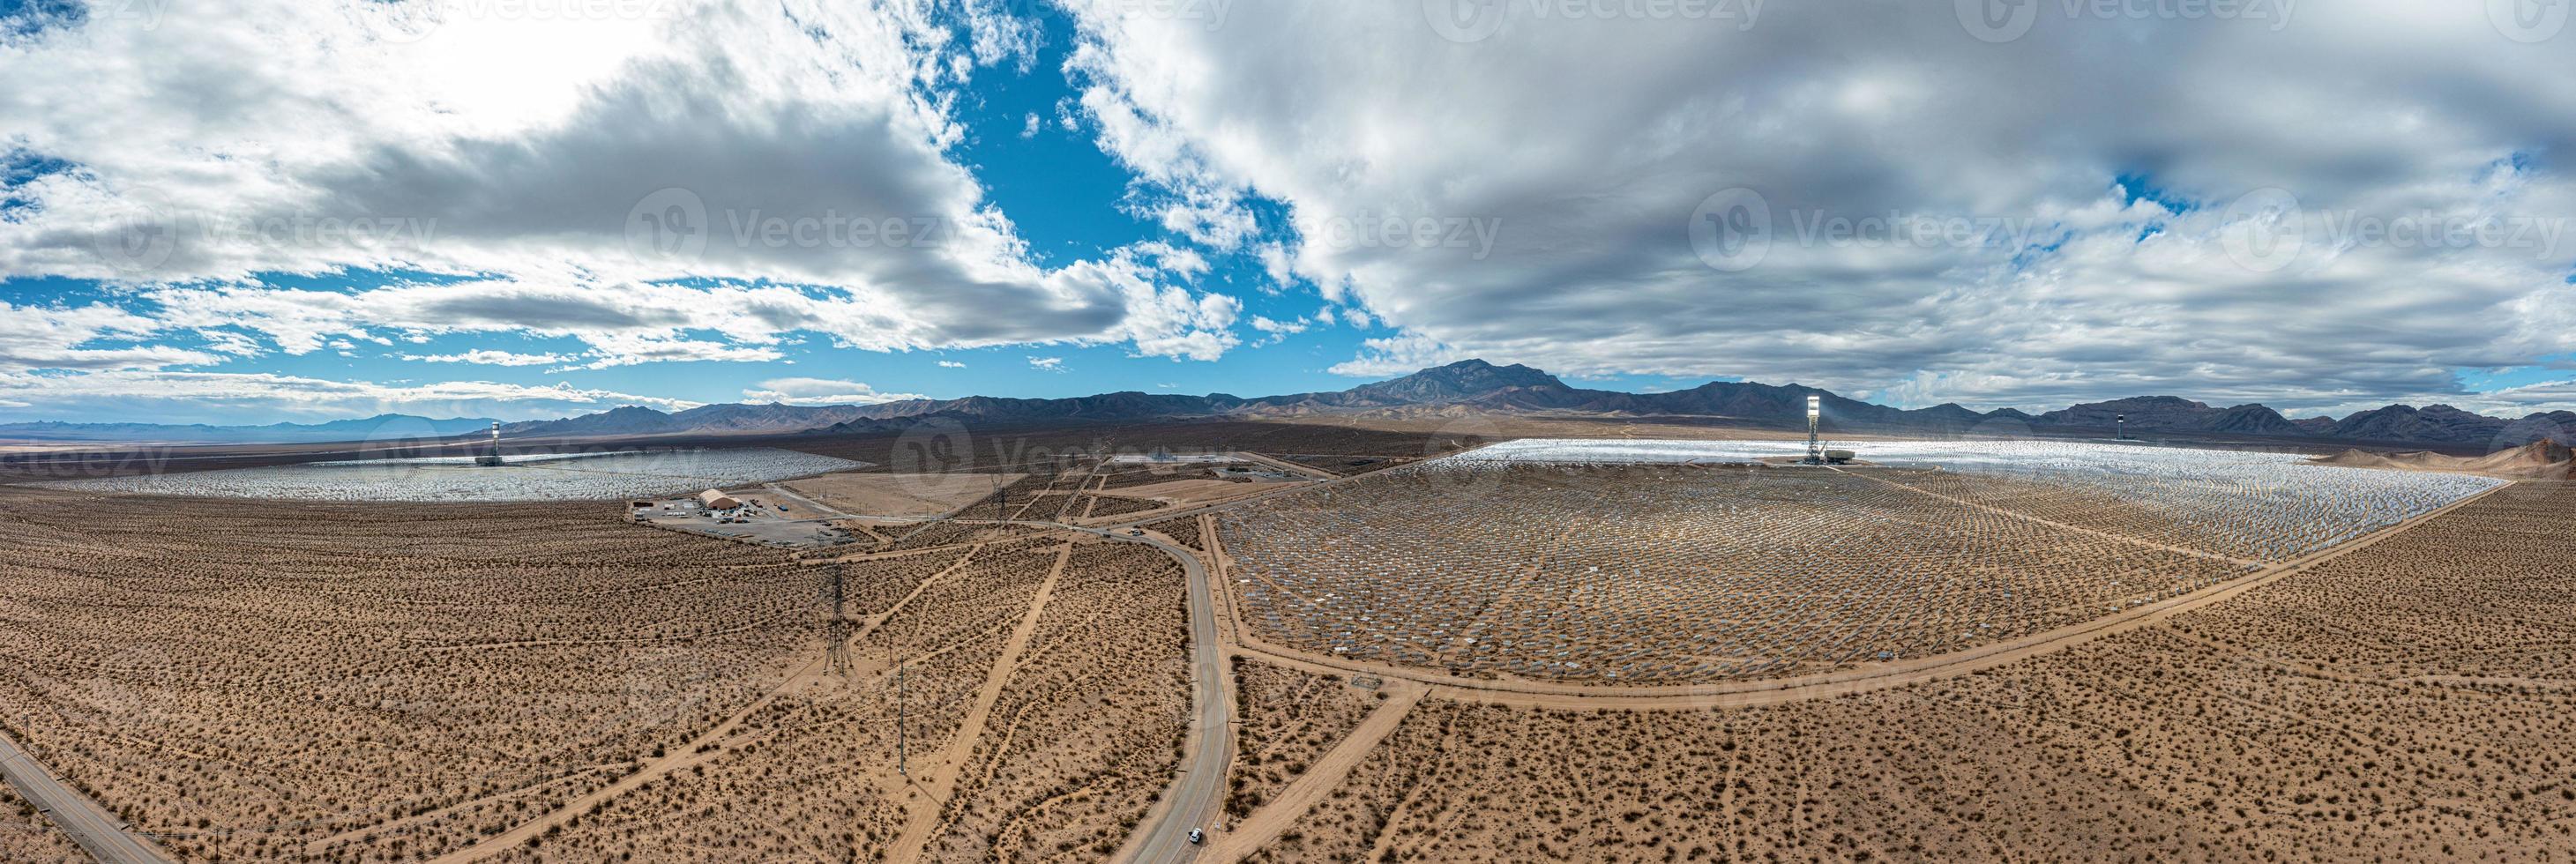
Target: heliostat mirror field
{"points": [[1669, 562]]}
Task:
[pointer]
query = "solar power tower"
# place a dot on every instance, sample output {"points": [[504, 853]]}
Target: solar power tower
{"points": [[491, 452], [1815, 449]]}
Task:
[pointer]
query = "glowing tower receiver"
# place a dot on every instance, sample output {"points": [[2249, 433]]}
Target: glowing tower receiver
{"points": [[492, 453], [1815, 451]]}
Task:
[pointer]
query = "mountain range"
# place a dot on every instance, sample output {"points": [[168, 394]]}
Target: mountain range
{"points": [[382, 427], [1463, 388]]}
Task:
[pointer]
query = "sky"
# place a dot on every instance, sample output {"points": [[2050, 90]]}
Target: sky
{"points": [[265, 210]]}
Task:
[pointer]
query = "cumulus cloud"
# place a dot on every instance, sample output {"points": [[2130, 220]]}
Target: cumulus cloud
{"points": [[2045, 219], [172, 396], [951, 364], [71, 337], [821, 391], [1278, 331], [1047, 364], [684, 181], [483, 357], [1400, 354]]}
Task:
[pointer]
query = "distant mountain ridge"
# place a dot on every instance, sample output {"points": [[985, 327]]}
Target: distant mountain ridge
{"points": [[1464, 387], [382, 427], [1475, 385]]}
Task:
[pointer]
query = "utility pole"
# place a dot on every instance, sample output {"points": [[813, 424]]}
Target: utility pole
{"points": [[899, 767]]}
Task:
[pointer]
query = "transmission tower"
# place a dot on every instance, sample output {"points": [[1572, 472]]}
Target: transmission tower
{"points": [[838, 630]]}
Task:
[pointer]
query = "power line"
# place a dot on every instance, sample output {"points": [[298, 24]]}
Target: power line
{"points": [[837, 632]]}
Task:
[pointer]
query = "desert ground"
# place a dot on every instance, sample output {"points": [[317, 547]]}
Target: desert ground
{"points": [[1868, 663], [885, 494], [2404, 702], [397, 682], [26, 836], [1518, 562]]}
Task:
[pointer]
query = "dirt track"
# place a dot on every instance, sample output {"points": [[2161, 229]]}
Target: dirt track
{"points": [[937, 784], [1774, 691]]}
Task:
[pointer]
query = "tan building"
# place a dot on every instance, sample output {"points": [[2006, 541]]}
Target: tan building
{"points": [[715, 499]]}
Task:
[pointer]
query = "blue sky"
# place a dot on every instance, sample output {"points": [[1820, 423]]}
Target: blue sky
{"points": [[288, 212]]}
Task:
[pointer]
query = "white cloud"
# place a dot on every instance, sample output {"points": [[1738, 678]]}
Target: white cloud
{"points": [[792, 162], [951, 364], [629, 350], [69, 337], [180, 396], [1370, 119], [1047, 364], [1401, 354], [1279, 330], [821, 391], [490, 358]]}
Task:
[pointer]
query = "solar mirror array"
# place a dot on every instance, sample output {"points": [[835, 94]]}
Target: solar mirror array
{"points": [[1647, 562]]}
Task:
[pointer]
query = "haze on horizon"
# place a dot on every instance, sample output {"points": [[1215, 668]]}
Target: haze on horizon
{"points": [[269, 211]]}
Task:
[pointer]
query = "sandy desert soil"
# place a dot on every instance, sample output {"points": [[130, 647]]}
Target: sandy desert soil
{"points": [[881, 494], [1087, 730], [2539, 460], [1084, 727], [1192, 491], [402, 682], [2404, 702], [25, 835], [1285, 719], [1183, 530], [1103, 506], [254, 678]]}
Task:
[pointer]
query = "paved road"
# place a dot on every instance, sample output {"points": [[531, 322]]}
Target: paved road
{"points": [[1191, 800], [99, 832]]}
